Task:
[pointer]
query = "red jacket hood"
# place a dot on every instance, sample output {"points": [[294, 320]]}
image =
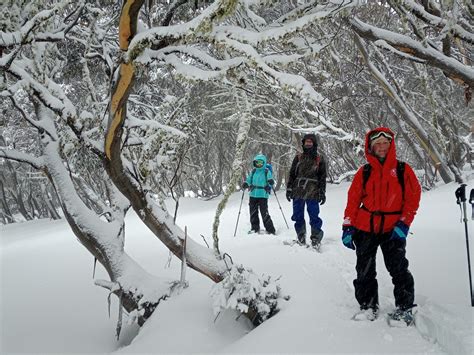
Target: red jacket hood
{"points": [[391, 159]]}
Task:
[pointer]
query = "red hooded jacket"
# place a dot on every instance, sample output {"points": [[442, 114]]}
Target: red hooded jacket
{"points": [[382, 193]]}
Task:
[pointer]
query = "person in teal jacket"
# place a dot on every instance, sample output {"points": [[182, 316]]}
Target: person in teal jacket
{"points": [[259, 182]]}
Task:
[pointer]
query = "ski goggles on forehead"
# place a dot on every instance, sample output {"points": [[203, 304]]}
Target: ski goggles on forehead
{"points": [[258, 163], [377, 135]]}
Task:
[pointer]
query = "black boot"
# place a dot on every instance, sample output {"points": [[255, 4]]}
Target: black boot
{"points": [[301, 235], [316, 237]]}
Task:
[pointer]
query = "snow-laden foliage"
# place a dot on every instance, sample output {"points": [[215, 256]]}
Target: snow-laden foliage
{"points": [[336, 68], [243, 290]]}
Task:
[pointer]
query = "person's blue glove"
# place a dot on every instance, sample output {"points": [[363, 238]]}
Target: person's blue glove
{"points": [[268, 189], [271, 181], [245, 185], [400, 231], [347, 233]]}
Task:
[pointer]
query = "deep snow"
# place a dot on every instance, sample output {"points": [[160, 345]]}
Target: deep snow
{"points": [[49, 303]]}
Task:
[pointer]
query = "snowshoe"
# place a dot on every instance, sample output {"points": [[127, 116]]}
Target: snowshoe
{"points": [[368, 314], [401, 318], [295, 242], [253, 232]]}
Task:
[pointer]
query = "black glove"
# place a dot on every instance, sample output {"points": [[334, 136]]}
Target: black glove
{"points": [[322, 198], [271, 182], [289, 194], [268, 189], [245, 185]]}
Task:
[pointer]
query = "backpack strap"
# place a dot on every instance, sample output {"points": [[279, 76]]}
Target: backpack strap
{"points": [[401, 180], [365, 175], [401, 176], [251, 176]]}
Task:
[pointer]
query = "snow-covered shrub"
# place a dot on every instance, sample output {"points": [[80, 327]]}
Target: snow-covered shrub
{"points": [[247, 293]]}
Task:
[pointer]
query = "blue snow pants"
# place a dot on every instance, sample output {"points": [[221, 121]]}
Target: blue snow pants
{"points": [[312, 206]]}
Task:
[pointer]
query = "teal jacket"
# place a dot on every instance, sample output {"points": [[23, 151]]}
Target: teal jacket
{"points": [[258, 178]]}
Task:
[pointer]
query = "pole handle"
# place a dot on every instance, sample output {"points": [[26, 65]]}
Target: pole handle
{"points": [[460, 194]]}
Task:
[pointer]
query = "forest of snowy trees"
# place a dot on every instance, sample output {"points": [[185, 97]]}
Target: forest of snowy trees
{"points": [[109, 106]]}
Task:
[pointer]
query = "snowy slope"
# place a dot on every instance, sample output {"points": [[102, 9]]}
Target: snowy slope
{"points": [[49, 302]]}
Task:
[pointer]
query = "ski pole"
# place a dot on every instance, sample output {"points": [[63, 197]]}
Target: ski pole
{"points": [[238, 216], [280, 206], [461, 201], [471, 201]]}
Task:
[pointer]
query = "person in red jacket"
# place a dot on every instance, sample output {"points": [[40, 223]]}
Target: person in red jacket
{"points": [[379, 212]]}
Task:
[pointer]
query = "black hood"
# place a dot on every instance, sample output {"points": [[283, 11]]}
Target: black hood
{"points": [[311, 136], [311, 151]]}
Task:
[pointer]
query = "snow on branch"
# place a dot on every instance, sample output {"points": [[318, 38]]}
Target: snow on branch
{"points": [[200, 27], [411, 118], [40, 126], [341, 134], [452, 68], [383, 44], [27, 32], [387, 87], [243, 291], [84, 218], [188, 70], [134, 122], [287, 81], [344, 177], [41, 91], [21, 157], [192, 62], [277, 31], [419, 11], [191, 52], [199, 24]]}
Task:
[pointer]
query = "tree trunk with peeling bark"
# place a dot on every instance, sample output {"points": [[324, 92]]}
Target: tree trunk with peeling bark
{"points": [[157, 220]]}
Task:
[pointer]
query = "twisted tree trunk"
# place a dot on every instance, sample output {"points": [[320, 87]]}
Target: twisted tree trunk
{"points": [[156, 219]]}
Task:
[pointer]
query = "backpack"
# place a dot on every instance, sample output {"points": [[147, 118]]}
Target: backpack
{"points": [[269, 167], [400, 175]]}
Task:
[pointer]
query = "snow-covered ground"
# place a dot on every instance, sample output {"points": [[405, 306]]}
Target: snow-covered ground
{"points": [[49, 303]]}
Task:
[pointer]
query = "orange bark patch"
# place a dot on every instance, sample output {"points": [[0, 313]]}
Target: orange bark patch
{"points": [[118, 98], [125, 27], [125, 79], [405, 50]]}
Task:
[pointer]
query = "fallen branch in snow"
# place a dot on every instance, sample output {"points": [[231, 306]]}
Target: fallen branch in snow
{"points": [[242, 290]]}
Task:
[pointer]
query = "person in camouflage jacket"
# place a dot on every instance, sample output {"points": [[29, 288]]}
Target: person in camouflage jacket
{"points": [[307, 186]]}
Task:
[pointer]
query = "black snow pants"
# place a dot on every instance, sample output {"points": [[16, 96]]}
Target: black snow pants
{"points": [[366, 287], [261, 203]]}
